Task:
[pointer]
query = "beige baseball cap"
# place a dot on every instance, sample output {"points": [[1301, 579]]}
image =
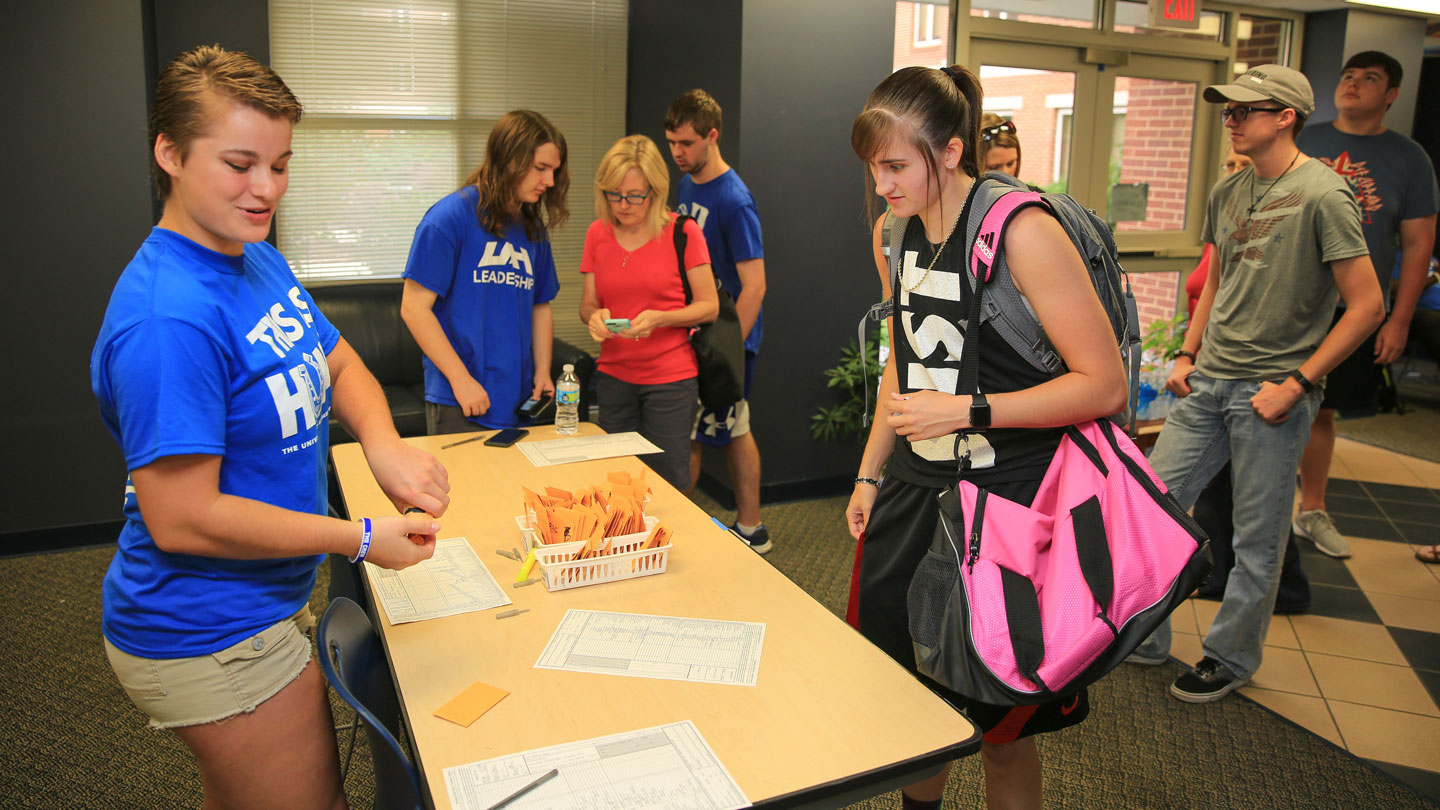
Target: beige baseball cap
{"points": [[1267, 83]]}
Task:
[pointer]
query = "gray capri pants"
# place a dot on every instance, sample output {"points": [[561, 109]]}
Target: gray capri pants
{"points": [[663, 413]]}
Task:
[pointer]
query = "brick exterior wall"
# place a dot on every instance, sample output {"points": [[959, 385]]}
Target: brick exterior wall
{"points": [[906, 53], [1159, 119], [1154, 296], [1263, 46], [1035, 124]]}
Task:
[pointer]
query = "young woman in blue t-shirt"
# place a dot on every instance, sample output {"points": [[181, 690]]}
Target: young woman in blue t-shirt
{"points": [[216, 373], [480, 278]]}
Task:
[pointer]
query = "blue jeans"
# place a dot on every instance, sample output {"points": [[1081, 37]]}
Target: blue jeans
{"points": [[1211, 426]]}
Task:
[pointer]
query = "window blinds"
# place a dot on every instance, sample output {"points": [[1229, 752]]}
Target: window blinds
{"points": [[399, 98]]}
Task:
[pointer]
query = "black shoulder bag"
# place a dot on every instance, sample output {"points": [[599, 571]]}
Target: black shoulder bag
{"points": [[719, 345]]}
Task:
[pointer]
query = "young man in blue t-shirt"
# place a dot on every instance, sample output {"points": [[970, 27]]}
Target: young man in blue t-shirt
{"points": [[1394, 183], [721, 205]]}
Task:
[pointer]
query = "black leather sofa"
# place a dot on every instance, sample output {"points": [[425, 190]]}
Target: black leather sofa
{"points": [[367, 313]]}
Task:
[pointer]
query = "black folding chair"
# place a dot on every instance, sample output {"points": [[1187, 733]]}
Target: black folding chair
{"points": [[354, 662]]}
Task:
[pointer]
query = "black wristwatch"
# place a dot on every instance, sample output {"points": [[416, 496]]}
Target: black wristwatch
{"points": [[979, 412], [1303, 380]]}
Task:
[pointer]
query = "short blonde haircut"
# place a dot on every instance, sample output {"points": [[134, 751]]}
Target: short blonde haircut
{"points": [[634, 152]]}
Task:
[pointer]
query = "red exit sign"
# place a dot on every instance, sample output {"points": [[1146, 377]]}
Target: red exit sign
{"points": [[1175, 13]]}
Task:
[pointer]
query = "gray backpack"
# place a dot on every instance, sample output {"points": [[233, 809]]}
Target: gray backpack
{"points": [[994, 200]]}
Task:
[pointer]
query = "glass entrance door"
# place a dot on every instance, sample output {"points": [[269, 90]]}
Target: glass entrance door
{"points": [[1128, 139]]}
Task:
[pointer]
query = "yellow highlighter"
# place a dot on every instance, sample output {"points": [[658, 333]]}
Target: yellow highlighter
{"points": [[525, 569]]}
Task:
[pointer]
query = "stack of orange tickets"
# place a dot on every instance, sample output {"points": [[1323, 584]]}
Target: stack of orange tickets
{"points": [[592, 514]]}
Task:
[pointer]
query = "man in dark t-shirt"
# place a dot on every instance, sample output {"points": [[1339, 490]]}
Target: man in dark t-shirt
{"points": [[1394, 184]]}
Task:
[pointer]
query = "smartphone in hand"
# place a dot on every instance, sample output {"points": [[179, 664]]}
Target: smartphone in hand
{"points": [[534, 407], [506, 437], [617, 325]]}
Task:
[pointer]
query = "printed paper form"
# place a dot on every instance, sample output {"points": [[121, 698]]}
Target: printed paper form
{"points": [[586, 448], [450, 582], [667, 647], [663, 767]]}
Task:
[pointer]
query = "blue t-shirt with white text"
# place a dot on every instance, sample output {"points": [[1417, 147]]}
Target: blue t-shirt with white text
{"points": [[487, 289], [725, 211], [204, 353]]}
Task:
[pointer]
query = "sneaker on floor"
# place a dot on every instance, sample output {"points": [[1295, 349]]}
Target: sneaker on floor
{"points": [[1209, 681], [1316, 525], [1146, 659], [759, 542]]}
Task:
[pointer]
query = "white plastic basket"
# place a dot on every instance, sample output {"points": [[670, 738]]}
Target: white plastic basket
{"points": [[561, 576], [624, 560]]}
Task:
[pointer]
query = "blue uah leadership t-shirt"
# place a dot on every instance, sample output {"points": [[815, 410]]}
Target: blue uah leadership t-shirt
{"points": [[487, 289], [725, 211], [204, 353]]}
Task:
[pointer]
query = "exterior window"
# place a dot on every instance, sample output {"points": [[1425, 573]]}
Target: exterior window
{"points": [[922, 34]]}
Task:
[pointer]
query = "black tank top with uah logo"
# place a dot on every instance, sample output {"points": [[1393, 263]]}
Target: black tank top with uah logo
{"points": [[929, 336]]}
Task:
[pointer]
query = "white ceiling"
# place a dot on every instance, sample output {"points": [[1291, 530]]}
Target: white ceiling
{"points": [[1308, 6]]}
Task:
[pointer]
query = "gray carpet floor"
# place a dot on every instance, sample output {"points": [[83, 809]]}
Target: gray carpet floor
{"points": [[69, 738]]}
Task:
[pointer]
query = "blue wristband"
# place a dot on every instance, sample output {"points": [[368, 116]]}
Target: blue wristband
{"points": [[364, 543]]}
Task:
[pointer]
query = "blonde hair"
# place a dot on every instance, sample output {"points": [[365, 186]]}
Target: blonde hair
{"points": [[189, 87], [634, 152]]}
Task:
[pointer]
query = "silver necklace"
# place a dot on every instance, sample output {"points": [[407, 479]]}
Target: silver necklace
{"points": [[933, 259]]}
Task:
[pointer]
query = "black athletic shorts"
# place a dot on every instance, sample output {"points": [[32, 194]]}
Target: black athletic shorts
{"points": [[1353, 388], [902, 524]]}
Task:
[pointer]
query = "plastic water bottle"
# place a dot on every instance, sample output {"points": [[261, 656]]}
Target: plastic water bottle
{"points": [[567, 402]]}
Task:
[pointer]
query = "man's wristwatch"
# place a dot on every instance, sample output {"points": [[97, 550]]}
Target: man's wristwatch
{"points": [[979, 412], [1182, 353], [1303, 380]]}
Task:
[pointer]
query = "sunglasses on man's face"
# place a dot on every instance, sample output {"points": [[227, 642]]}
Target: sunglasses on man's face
{"points": [[989, 133]]}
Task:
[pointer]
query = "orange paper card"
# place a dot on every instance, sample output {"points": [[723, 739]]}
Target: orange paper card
{"points": [[467, 707]]}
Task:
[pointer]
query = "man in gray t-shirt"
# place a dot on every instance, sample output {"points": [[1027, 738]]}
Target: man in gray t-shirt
{"points": [[1286, 238], [1394, 184]]}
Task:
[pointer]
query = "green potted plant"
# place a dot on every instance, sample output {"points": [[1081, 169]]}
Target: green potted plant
{"points": [[846, 420]]}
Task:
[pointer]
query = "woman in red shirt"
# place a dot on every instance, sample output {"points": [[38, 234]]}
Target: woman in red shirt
{"points": [[634, 304]]}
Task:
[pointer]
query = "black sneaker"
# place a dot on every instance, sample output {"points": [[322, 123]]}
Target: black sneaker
{"points": [[1209, 681], [759, 542]]}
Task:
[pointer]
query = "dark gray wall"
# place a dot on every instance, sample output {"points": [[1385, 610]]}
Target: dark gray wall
{"points": [[808, 66], [237, 25], [1321, 58], [74, 73], [790, 95], [79, 75], [1331, 37], [663, 63]]}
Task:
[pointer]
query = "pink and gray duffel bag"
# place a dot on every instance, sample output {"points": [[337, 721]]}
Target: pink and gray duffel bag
{"points": [[1016, 605]]}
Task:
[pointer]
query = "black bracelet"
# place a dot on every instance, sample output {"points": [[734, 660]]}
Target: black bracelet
{"points": [[1182, 353], [871, 481], [1304, 381]]}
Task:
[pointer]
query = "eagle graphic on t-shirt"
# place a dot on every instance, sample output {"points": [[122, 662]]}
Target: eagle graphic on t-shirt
{"points": [[1250, 233]]}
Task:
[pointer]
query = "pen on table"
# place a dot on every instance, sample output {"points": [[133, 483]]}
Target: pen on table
{"points": [[545, 777], [462, 441], [725, 528]]}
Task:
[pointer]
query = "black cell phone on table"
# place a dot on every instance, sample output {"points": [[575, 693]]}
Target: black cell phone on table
{"points": [[506, 437], [534, 407]]}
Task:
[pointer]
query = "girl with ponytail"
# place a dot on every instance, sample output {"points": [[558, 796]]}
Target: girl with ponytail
{"points": [[917, 136]]}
